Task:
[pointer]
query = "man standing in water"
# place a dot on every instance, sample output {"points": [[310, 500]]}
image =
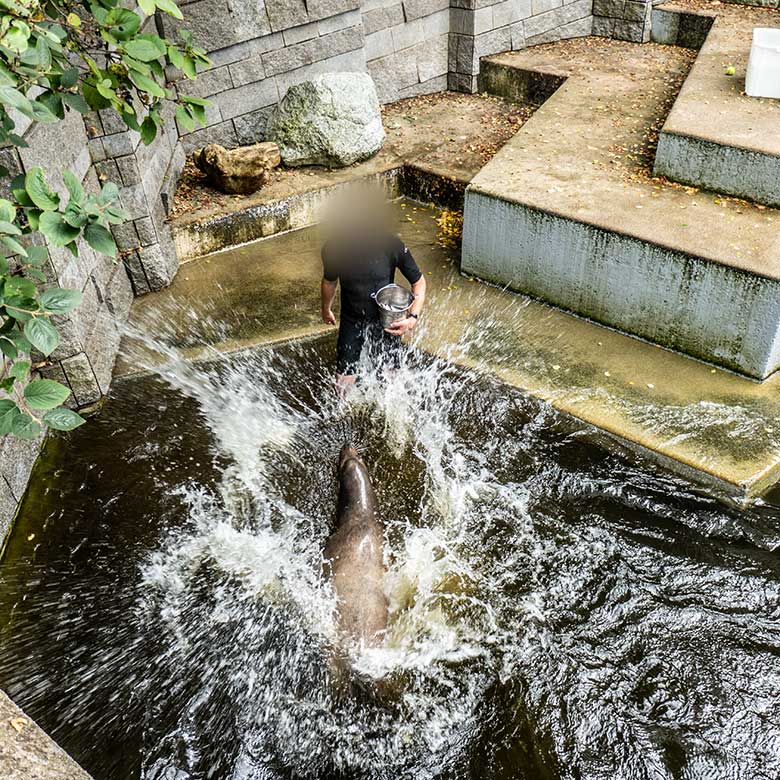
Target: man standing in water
{"points": [[364, 259]]}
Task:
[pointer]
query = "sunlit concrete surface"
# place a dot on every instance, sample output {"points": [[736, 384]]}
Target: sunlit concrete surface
{"points": [[708, 423], [567, 211], [715, 136]]}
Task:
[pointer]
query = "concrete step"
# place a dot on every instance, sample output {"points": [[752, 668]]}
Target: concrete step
{"points": [[569, 212], [715, 136]]}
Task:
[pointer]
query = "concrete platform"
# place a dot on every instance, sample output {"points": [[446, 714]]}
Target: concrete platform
{"points": [[568, 210], [435, 144], [28, 753], [715, 136], [711, 425]]}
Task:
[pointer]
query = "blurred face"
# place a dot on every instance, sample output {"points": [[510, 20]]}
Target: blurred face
{"points": [[357, 213]]}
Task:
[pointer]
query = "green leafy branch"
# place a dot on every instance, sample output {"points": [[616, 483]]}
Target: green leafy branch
{"points": [[86, 56], [27, 313], [57, 56]]}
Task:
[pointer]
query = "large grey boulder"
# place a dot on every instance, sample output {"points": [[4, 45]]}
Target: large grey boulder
{"points": [[332, 120]]}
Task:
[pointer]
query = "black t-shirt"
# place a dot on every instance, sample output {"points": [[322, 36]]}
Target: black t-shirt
{"points": [[362, 269]]}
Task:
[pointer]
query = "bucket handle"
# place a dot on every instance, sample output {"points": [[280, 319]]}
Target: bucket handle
{"points": [[374, 294]]}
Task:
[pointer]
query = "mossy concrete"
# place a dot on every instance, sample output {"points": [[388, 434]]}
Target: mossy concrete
{"points": [[709, 424]]}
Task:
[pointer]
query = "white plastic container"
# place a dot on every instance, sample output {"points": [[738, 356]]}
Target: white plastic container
{"points": [[763, 71]]}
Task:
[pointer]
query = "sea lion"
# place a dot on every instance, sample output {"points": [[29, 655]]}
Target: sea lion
{"points": [[354, 554]]}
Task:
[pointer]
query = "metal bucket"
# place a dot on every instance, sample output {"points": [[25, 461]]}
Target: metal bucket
{"points": [[393, 302]]}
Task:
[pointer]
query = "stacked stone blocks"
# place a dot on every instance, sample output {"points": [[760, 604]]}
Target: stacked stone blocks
{"points": [[625, 20], [480, 27]]}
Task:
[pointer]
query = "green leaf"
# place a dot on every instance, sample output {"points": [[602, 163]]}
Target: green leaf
{"points": [[42, 335], [147, 6], [169, 7], [100, 239], [69, 78], [45, 394], [188, 66], [75, 216], [17, 36], [58, 300], [8, 348], [93, 98], [19, 308], [38, 190], [105, 88], [25, 427], [19, 286], [148, 130], [74, 186], [42, 113], [176, 57], [184, 119], [195, 101], [36, 255], [54, 227], [52, 101], [22, 344], [63, 419], [137, 65], [15, 99], [9, 228], [13, 246], [123, 24], [146, 84], [109, 193], [44, 55], [19, 369], [76, 102], [8, 413], [7, 210], [145, 48]]}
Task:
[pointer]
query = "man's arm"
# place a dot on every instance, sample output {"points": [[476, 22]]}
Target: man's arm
{"points": [[399, 327], [327, 293]]}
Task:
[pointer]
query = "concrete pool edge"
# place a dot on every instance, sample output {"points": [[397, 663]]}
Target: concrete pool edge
{"points": [[610, 435], [27, 752]]}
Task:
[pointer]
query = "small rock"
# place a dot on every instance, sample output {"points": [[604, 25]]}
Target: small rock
{"points": [[237, 171], [332, 120]]}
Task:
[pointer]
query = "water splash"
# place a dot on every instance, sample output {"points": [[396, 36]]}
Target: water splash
{"points": [[555, 611]]}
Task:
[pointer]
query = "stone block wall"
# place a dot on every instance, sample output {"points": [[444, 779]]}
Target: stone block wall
{"points": [[482, 27], [409, 47], [146, 177], [625, 20], [90, 335], [258, 52]]}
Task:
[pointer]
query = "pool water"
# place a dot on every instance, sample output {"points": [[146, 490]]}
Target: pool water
{"points": [[556, 610]]}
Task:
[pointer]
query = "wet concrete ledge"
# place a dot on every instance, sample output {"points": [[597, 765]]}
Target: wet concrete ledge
{"points": [[715, 136], [28, 753], [710, 425], [559, 215]]}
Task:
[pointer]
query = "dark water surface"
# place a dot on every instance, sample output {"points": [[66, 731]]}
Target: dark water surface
{"points": [[556, 611]]}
